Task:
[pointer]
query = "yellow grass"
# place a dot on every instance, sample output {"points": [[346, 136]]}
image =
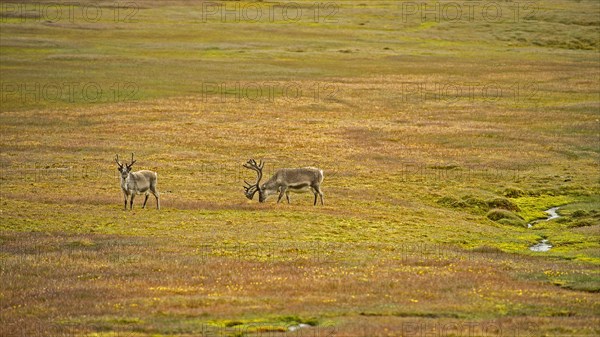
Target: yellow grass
{"points": [[399, 114]]}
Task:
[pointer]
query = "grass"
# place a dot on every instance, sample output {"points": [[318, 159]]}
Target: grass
{"points": [[430, 179]]}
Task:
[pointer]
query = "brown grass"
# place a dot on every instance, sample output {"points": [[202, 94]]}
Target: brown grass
{"points": [[402, 246]]}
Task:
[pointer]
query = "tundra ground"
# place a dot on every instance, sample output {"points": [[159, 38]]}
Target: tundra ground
{"points": [[440, 141]]}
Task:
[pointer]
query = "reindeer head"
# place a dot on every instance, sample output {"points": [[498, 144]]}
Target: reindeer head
{"points": [[251, 189], [126, 168]]}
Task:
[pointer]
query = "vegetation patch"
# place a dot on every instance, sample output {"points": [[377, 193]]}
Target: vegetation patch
{"points": [[533, 207], [423, 130], [505, 217], [513, 192], [502, 203], [478, 205]]}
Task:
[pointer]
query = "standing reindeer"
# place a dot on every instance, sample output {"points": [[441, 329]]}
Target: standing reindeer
{"points": [[283, 181], [139, 182]]}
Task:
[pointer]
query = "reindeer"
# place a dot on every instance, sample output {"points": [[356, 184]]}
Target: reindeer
{"points": [[139, 182], [284, 181]]}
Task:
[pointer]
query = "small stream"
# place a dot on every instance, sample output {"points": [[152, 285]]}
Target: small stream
{"points": [[544, 246], [299, 326]]}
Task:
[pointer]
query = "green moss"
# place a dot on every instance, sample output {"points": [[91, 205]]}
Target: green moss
{"points": [[584, 223], [513, 192], [512, 222], [232, 323], [505, 217], [502, 203], [351, 73], [533, 207], [579, 213]]}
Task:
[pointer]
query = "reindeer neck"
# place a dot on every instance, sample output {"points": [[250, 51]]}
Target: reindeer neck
{"points": [[273, 181], [128, 182]]}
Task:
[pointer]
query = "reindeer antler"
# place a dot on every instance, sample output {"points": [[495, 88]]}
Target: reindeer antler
{"points": [[251, 189], [117, 160], [132, 161]]}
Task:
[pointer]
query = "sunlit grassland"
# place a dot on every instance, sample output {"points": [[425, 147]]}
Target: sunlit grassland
{"points": [[413, 179]]}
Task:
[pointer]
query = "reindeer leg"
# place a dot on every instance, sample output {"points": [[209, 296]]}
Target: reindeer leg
{"points": [[131, 201], [125, 197], [321, 195], [317, 191], [287, 196], [156, 195], [145, 200], [157, 199], [281, 193]]}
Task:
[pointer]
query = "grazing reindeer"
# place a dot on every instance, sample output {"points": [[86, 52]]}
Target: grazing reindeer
{"points": [[283, 181], [139, 182]]}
